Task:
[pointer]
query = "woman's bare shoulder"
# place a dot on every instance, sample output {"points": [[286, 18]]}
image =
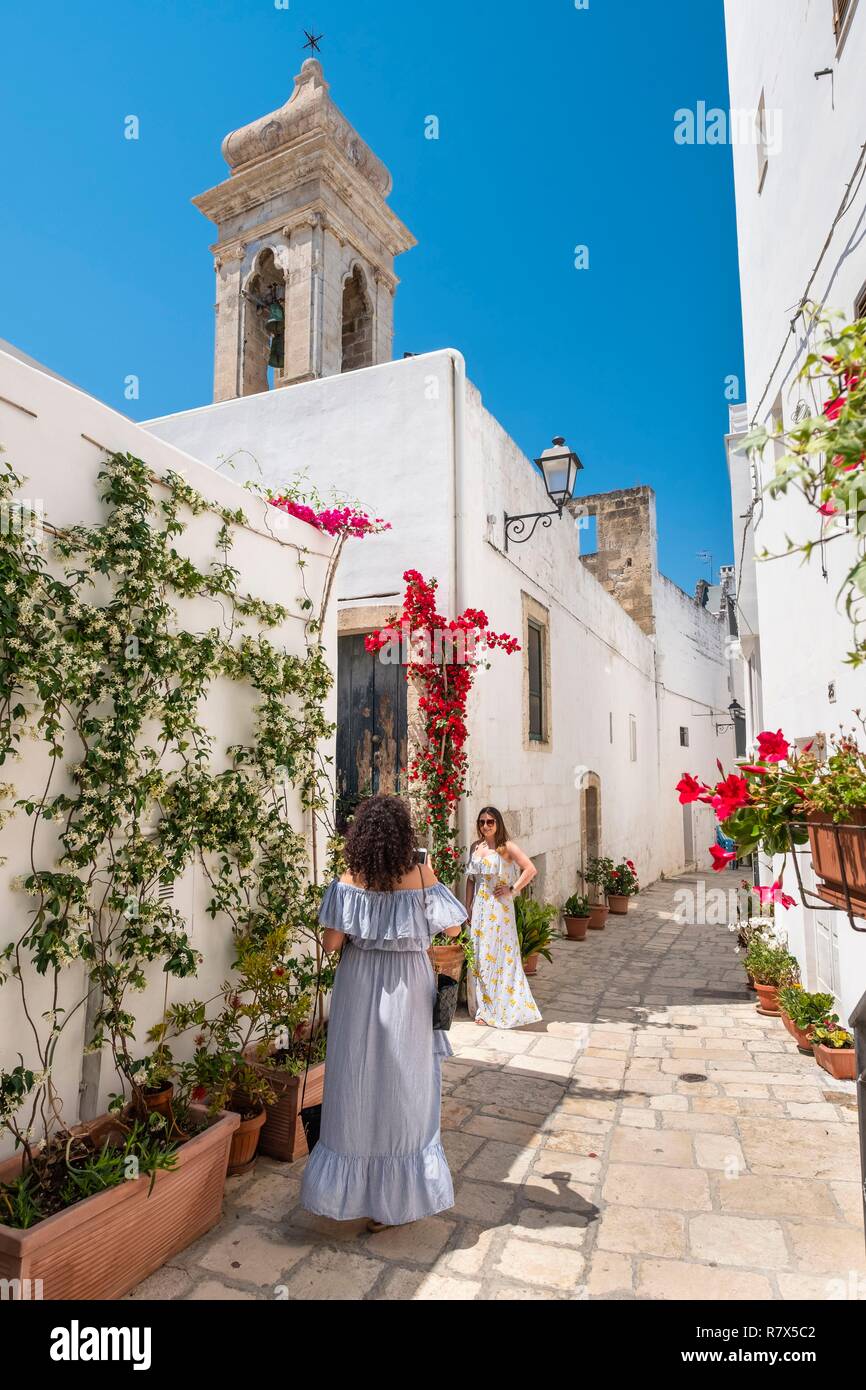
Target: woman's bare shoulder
{"points": [[418, 875]]}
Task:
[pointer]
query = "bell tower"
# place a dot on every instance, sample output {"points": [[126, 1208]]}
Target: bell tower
{"points": [[305, 247]]}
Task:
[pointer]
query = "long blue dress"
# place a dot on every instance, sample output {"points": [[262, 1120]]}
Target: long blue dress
{"points": [[380, 1152]]}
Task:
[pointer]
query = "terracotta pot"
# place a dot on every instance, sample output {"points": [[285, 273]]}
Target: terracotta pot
{"points": [[801, 1036], [282, 1134], [839, 855], [245, 1142], [575, 927], [768, 999], [840, 1062], [159, 1101], [530, 964], [102, 1247], [597, 916], [447, 960], [618, 903]]}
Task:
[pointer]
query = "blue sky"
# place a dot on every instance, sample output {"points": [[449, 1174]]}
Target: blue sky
{"points": [[556, 131]]}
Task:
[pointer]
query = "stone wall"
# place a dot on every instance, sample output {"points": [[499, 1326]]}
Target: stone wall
{"points": [[625, 559]]}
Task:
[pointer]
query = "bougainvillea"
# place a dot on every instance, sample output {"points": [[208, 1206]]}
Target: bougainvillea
{"points": [[442, 655], [334, 521]]}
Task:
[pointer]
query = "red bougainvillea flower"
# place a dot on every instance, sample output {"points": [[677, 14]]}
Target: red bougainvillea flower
{"points": [[775, 895], [198, 1093], [773, 748], [828, 509], [730, 796], [689, 788], [754, 769], [721, 857]]}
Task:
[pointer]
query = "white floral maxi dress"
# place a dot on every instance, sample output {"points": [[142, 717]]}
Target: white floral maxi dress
{"points": [[504, 999]]}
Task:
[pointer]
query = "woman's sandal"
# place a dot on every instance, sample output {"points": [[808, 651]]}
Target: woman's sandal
{"points": [[375, 1226]]}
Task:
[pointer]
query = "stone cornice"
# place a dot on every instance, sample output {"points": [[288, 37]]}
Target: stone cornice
{"points": [[309, 159]]}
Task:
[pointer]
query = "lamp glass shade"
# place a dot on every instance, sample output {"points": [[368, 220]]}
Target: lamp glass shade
{"points": [[559, 467]]}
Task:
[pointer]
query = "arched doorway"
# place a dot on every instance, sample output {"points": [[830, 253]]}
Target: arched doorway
{"points": [[590, 821], [357, 323]]}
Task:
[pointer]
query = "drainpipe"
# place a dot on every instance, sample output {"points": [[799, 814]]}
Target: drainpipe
{"points": [[458, 554]]}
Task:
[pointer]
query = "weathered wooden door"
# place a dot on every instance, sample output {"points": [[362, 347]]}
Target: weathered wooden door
{"points": [[371, 726]]}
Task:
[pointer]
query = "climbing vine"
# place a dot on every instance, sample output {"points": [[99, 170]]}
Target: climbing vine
{"points": [[96, 665]]}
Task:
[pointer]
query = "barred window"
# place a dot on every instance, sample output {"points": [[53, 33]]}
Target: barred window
{"points": [[536, 682]]}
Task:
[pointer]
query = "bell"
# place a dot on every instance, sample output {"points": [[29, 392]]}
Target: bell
{"points": [[276, 355], [275, 318]]}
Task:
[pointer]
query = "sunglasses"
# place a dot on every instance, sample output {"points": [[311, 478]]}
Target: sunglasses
{"points": [[487, 822]]}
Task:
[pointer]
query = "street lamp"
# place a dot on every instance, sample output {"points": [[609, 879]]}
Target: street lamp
{"points": [[559, 467], [736, 711]]}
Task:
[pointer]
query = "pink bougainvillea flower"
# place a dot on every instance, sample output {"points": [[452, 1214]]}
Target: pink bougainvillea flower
{"points": [[721, 857], [689, 788], [775, 895], [773, 748], [754, 769], [828, 509]]}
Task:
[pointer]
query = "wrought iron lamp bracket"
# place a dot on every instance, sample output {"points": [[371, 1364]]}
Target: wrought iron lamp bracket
{"points": [[515, 526]]}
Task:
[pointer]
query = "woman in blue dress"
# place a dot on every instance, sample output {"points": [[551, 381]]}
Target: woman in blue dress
{"points": [[380, 1152]]}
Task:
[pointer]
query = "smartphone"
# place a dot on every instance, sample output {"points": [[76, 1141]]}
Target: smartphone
{"points": [[421, 856]]}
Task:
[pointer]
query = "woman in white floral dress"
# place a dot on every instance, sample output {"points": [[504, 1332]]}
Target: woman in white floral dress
{"points": [[498, 870]]}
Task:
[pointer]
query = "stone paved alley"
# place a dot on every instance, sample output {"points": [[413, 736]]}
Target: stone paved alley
{"points": [[586, 1164]]}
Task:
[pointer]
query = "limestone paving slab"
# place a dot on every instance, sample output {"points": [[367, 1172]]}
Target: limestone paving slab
{"points": [[650, 1138]]}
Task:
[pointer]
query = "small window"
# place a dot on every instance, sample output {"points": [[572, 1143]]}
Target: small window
{"points": [[761, 132], [535, 655], [588, 535], [632, 738], [684, 737]]}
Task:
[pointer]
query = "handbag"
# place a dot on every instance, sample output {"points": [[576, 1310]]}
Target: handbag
{"points": [[447, 988], [311, 1115]]}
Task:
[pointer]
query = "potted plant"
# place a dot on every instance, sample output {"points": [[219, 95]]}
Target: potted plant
{"points": [[73, 1217], [450, 954], [833, 1047], [575, 913], [534, 931], [802, 1011], [597, 874], [771, 965], [836, 822], [621, 885]]}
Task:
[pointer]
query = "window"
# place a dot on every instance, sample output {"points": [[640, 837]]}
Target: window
{"points": [[860, 305], [610, 719], [684, 737], [840, 14], [535, 655], [632, 738], [537, 708], [761, 132]]}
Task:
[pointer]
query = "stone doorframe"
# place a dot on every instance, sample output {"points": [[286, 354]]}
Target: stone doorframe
{"points": [[590, 820]]}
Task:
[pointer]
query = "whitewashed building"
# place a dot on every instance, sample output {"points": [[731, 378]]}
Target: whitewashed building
{"points": [[801, 216], [627, 674]]}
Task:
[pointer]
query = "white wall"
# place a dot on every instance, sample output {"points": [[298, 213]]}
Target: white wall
{"points": [[413, 442], [47, 429], [777, 46]]}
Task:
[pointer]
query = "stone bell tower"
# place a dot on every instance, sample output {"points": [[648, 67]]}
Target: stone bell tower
{"points": [[305, 247]]}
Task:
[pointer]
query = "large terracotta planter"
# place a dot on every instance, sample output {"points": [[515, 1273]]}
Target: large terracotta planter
{"points": [[245, 1143], [839, 855], [282, 1134], [598, 916], [447, 960], [768, 999], [575, 927], [801, 1036], [530, 964], [102, 1247], [839, 1062], [618, 903]]}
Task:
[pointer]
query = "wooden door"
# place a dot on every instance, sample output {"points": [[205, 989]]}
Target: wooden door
{"points": [[371, 726]]}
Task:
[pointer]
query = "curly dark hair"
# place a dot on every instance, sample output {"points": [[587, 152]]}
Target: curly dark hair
{"points": [[380, 845]]}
